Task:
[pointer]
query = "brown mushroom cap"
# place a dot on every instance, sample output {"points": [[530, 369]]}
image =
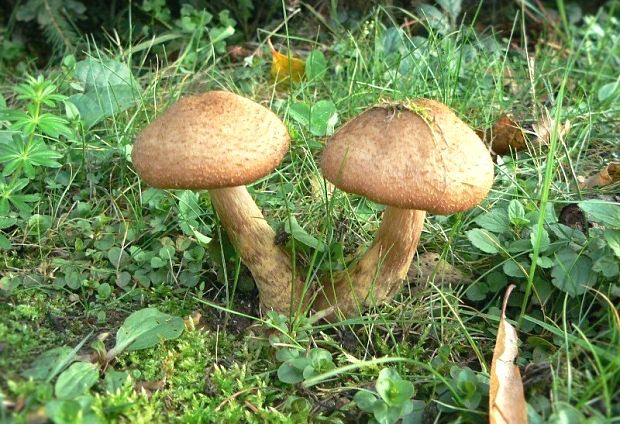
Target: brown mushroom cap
{"points": [[214, 140], [419, 156]]}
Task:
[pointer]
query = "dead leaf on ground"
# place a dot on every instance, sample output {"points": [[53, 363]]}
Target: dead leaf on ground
{"points": [[606, 176], [506, 398], [285, 68], [238, 53], [544, 127], [506, 135], [192, 322], [150, 386], [429, 264]]}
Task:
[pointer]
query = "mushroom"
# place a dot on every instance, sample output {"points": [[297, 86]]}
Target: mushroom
{"points": [[414, 157], [219, 141]]}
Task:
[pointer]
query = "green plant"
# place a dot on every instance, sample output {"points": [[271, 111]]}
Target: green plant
{"points": [[56, 18], [297, 366], [197, 35], [24, 150], [569, 260], [392, 400], [76, 375], [467, 389]]}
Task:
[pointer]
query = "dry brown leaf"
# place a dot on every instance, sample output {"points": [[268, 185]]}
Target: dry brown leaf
{"points": [[285, 68], [606, 176], [192, 322], [506, 399], [238, 53], [506, 135], [428, 264], [543, 129]]}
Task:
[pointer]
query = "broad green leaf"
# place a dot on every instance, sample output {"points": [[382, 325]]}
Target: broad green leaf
{"points": [[392, 44], [519, 246], [118, 257], [564, 232], [316, 65], [435, 19], [604, 213], [416, 416], [544, 239], [6, 222], [496, 221], [392, 388], [286, 354], [300, 112], [72, 411], [53, 125], [477, 292], [612, 237], [607, 265], [5, 243], [296, 231], [289, 372], [516, 213], [166, 253], [608, 90], [323, 118], [114, 380], [365, 400], [543, 261], [451, 7], [572, 272], [64, 411], [45, 363], [484, 240], [566, 414], [320, 119], [109, 88], [145, 328], [515, 269], [76, 380]]}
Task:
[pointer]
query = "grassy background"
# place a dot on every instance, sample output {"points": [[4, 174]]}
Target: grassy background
{"points": [[96, 244]]}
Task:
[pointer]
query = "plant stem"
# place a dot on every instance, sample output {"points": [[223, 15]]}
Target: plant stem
{"points": [[377, 276], [280, 288]]}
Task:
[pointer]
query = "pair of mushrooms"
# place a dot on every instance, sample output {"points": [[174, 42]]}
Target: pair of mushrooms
{"points": [[414, 157]]}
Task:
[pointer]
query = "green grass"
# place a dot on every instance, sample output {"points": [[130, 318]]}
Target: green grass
{"points": [[93, 210]]}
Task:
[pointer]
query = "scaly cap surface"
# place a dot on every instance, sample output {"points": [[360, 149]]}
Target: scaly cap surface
{"points": [[213, 140], [418, 155]]}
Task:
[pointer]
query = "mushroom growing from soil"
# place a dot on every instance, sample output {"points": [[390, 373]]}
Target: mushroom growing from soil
{"points": [[414, 157], [219, 141]]}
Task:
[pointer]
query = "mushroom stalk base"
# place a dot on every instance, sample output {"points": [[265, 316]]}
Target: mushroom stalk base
{"points": [[378, 275], [279, 287]]}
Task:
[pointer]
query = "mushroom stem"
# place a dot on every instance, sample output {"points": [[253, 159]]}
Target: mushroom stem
{"points": [[379, 273], [279, 287]]}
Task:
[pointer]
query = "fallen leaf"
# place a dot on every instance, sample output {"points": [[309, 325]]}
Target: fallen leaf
{"points": [[148, 387], [543, 129], [285, 68], [506, 398], [606, 176], [193, 321], [429, 264], [238, 53], [506, 135]]}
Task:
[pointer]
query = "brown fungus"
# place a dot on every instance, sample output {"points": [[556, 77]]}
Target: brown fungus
{"points": [[219, 141], [415, 157]]}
